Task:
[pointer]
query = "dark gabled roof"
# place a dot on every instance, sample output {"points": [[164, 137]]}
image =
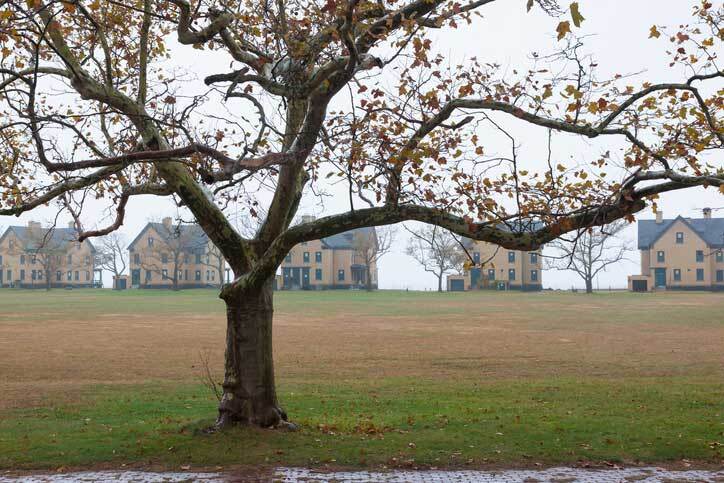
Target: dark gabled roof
{"points": [[711, 230], [192, 235], [44, 237], [344, 241]]}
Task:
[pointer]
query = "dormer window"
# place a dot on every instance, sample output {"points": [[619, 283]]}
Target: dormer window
{"points": [[679, 237]]}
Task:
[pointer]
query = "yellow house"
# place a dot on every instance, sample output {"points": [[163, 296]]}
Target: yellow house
{"points": [[497, 268], [330, 263], [169, 255], [35, 257], [680, 254]]}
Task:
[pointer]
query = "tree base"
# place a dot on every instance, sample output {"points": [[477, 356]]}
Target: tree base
{"points": [[275, 418]]}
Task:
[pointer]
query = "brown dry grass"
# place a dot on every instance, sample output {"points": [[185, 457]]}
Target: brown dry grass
{"points": [[61, 343]]}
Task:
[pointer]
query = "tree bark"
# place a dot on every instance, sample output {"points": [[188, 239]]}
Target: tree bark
{"points": [[439, 282], [589, 285], [249, 394]]}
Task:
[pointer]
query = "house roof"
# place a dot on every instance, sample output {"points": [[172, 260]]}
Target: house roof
{"points": [[192, 235], [345, 241], [711, 230], [55, 237]]}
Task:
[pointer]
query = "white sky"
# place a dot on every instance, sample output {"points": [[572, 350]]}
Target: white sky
{"points": [[506, 35]]}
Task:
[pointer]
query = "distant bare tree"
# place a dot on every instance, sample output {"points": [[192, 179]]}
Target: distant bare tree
{"points": [[590, 252], [436, 250], [46, 249], [175, 251], [112, 256], [370, 246]]}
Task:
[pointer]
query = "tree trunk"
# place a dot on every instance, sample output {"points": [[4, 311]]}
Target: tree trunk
{"points": [[368, 277], [439, 282], [589, 285], [249, 395]]}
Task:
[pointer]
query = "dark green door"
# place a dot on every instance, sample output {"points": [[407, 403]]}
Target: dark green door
{"points": [[475, 278], [659, 277], [457, 285], [135, 277]]}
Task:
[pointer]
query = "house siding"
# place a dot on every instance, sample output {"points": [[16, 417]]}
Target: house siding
{"points": [[680, 256]]}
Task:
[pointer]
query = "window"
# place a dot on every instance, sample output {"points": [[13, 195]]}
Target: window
{"points": [[511, 257], [534, 275], [511, 274], [533, 258], [150, 241], [164, 274], [660, 257], [70, 259], [719, 257], [699, 274], [677, 275], [700, 255], [136, 258], [720, 275], [305, 257], [679, 237], [186, 258], [69, 276], [22, 274], [149, 275], [198, 258], [186, 274], [476, 257], [340, 275], [58, 276], [197, 275], [40, 274], [288, 258], [10, 276], [318, 257], [33, 275], [491, 274], [33, 259], [208, 275], [11, 243], [87, 260], [22, 259], [1, 259], [164, 258], [87, 276], [213, 275], [77, 275], [318, 274]]}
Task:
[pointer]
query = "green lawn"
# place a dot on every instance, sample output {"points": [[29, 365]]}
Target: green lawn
{"points": [[386, 378]]}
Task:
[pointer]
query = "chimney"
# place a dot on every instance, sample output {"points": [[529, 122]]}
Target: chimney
{"points": [[659, 216], [308, 218], [167, 223], [707, 213]]}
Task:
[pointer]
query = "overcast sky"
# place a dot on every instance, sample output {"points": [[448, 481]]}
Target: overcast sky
{"points": [[507, 35]]}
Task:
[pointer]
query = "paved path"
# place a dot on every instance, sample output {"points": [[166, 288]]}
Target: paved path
{"points": [[553, 475]]}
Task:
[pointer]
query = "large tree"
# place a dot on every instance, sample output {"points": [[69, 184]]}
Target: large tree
{"points": [[94, 107], [112, 255], [590, 252], [369, 247], [437, 251]]}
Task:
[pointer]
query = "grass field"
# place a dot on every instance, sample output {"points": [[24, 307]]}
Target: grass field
{"points": [[96, 378]]}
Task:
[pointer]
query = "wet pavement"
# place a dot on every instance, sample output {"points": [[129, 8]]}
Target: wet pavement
{"points": [[554, 475]]}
